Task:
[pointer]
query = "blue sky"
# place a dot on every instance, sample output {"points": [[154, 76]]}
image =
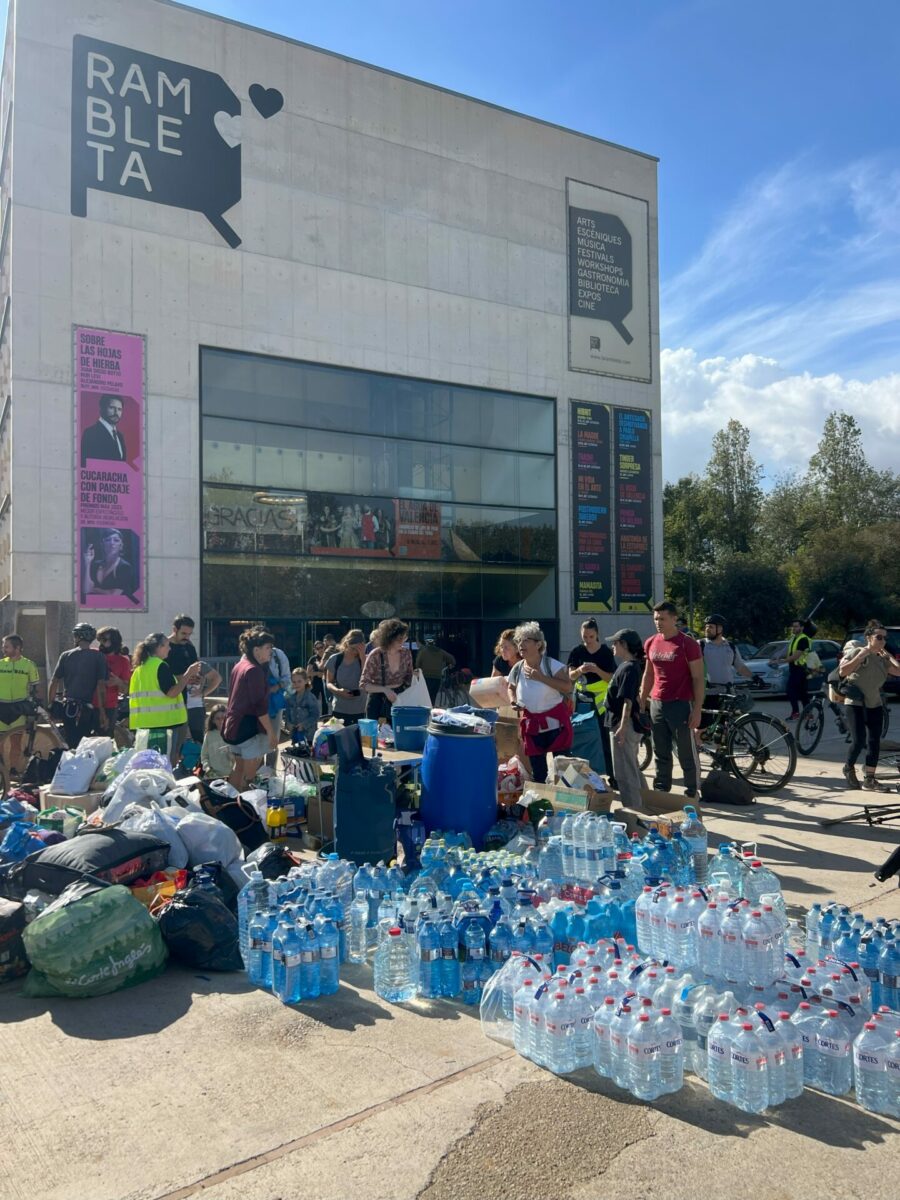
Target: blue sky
{"points": [[776, 128]]}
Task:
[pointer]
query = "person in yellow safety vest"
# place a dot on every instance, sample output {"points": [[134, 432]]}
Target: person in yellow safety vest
{"points": [[591, 665], [155, 702], [799, 645]]}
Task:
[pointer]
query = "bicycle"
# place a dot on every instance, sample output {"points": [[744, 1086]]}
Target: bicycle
{"points": [[40, 740], [811, 723], [751, 745]]}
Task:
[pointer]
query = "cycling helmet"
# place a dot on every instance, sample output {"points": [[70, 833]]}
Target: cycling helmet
{"points": [[84, 632], [715, 619]]}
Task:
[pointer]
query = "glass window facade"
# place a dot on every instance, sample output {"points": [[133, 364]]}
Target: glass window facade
{"points": [[329, 493]]}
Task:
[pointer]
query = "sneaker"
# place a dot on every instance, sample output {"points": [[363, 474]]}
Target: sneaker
{"points": [[690, 793], [871, 784], [793, 717], [851, 776]]}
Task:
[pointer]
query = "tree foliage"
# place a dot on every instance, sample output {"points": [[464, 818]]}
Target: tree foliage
{"points": [[828, 533]]}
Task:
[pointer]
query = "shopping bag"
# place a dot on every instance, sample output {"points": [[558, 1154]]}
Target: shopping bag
{"points": [[416, 695]]}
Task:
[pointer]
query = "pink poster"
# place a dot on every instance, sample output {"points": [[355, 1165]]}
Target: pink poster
{"points": [[110, 535]]}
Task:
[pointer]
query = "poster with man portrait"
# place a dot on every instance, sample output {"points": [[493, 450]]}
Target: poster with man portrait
{"points": [[109, 470]]}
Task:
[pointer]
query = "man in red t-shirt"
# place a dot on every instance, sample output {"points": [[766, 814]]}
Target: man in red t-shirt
{"points": [[673, 684]]}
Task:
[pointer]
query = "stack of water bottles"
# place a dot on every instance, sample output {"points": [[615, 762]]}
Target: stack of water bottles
{"points": [[292, 931]]}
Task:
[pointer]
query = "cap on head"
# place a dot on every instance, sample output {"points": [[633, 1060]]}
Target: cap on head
{"points": [[630, 638]]}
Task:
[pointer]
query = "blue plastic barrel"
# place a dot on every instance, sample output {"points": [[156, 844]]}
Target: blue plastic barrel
{"points": [[459, 783], [410, 726]]}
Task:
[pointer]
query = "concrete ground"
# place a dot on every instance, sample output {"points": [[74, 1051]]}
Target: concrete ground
{"points": [[199, 1085]]}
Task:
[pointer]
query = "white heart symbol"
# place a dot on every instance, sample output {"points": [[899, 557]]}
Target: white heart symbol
{"points": [[229, 127]]}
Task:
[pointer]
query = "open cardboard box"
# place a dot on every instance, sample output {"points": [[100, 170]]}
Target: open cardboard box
{"points": [[88, 801], [573, 799], [662, 810]]}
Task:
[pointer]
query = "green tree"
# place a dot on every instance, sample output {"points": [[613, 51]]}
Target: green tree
{"points": [[753, 596], [787, 518], [733, 496], [843, 575], [847, 491]]}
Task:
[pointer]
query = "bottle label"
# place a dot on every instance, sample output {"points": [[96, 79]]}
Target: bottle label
{"points": [[292, 960], [644, 1049], [428, 955], [720, 1049], [893, 1065], [328, 952], [475, 952], [740, 1061], [672, 1045], [308, 956], [831, 1046], [889, 981], [867, 1060], [448, 952]]}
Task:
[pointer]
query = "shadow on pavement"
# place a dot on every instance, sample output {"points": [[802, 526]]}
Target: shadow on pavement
{"points": [[828, 1119], [346, 1010]]}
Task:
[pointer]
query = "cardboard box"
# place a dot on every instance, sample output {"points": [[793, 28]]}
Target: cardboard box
{"points": [[572, 799], [662, 810], [88, 801]]}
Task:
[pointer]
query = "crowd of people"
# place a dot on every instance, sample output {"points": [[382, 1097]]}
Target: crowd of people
{"points": [[666, 686]]}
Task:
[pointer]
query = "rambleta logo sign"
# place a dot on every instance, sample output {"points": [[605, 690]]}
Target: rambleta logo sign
{"points": [[155, 129]]}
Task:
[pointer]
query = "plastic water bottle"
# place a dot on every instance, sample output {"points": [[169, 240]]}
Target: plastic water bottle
{"points": [[718, 1063], [689, 994], [310, 962], [568, 847], [671, 1050], [889, 974], [642, 912], [522, 1002], [870, 1076], [892, 1068], [681, 934], [257, 949], [254, 895], [472, 974], [827, 921], [393, 968], [694, 833], [757, 968], [329, 955], [540, 1000], [730, 931], [428, 953], [792, 1044], [749, 1068], [603, 1018], [644, 1078], [813, 917], [551, 859], [658, 914], [357, 940], [834, 1060], [706, 1013], [559, 1035], [709, 941], [286, 962], [449, 959], [582, 1016], [770, 1040], [618, 1044]]}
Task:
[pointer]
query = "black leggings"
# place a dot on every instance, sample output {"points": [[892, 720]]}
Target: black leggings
{"points": [[797, 687], [863, 721], [539, 761]]}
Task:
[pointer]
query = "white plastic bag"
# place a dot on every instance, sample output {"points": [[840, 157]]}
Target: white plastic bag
{"points": [[208, 839], [416, 695], [150, 820], [135, 787], [496, 1010], [100, 747], [75, 773]]}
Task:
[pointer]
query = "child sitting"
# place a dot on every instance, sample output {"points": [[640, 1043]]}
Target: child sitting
{"points": [[216, 755], [302, 711]]}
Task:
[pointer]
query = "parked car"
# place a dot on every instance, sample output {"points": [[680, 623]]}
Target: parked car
{"points": [[892, 686], [745, 650], [773, 680]]}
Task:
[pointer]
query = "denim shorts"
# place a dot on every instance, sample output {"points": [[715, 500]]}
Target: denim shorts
{"points": [[255, 747]]}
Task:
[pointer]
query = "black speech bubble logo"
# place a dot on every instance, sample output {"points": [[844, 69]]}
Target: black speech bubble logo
{"points": [[600, 271], [154, 129]]}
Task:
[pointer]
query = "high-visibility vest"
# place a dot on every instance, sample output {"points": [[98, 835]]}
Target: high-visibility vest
{"points": [[792, 649], [597, 689], [148, 705]]}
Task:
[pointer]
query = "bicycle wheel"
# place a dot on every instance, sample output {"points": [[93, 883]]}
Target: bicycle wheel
{"points": [[760, 750], [810, 725], [645, 752]]}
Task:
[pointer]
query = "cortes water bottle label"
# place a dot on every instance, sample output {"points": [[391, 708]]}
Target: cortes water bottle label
{"points": [[748, 1062], [292, 960], [673, 1045], [831, 1046], [893, 1065], [718, 1048], [308, 956], [865, 1060], [328, 952]]}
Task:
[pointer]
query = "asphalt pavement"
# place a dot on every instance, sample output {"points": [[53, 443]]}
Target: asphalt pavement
{"points": [[196, 1084]]}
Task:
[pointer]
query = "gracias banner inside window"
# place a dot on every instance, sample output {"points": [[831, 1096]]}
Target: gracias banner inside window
{"points": [[110, 535]]}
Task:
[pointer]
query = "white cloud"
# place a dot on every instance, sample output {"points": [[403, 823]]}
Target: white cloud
{"points": [[783, 411]]}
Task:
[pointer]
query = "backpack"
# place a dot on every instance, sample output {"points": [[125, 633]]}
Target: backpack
{"points": [[39, 770], [515, 673], [721, 787]]}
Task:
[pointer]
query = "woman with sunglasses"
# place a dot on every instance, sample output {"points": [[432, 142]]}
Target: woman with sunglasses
{"points": [[866, 667]]}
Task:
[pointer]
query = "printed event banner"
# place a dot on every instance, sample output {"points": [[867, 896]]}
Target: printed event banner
{"points": [[110, 533], [592, 548], [633, 466], [609, 282]]}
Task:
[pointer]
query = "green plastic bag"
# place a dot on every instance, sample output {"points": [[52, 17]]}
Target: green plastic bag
{"points": [[92, 940]]}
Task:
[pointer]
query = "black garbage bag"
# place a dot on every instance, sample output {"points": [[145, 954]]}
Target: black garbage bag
{"points": [[213, 875], [113, 855], [272, 860], [199, 931]]}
